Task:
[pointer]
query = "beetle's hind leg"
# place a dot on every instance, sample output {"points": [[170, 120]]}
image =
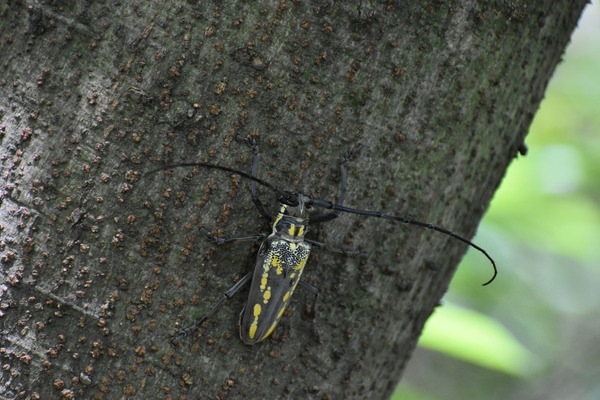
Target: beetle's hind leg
{"points": [[229, 293], [312, 310], [226, 296]]}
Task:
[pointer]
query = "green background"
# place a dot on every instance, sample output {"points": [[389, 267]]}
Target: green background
{"points": [[535, 332]]}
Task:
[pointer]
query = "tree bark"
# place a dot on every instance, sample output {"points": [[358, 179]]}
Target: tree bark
{"points": [[102, 265]]}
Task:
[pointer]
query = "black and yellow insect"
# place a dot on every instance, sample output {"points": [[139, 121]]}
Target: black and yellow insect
{"points": [[279, 266], [283, 254]]}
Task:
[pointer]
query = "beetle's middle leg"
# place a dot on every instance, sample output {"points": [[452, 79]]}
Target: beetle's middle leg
{"points": [[348, 252], [224, 240]]}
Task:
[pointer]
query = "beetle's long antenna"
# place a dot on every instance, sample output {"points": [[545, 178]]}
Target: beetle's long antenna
{"points": [[293, 198], [335, 207], [266, 184]]}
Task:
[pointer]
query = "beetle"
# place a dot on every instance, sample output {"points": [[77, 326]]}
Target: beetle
{"points": [[283, 254]]}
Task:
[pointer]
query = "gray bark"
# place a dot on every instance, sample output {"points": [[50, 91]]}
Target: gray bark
{"points": [[100, 266]]}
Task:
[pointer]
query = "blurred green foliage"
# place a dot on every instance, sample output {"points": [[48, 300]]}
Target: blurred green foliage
{"points": [[533, 333], [446, 333]]}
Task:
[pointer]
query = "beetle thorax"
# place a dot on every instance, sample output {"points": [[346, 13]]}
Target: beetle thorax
{"points": [[289, 225]]}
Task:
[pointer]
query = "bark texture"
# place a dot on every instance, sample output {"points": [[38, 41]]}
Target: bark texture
{"points": [[101, 266]]}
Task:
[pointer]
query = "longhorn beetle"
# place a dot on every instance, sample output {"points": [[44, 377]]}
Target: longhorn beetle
{"points": [[283, 254]]}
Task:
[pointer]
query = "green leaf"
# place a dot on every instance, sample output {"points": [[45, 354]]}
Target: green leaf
{"points": [[407, 392], [470, 336]]}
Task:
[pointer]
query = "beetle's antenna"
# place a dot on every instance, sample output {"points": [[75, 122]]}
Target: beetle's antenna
{"points": [[266, 184], [292, 198], [336, 207]]}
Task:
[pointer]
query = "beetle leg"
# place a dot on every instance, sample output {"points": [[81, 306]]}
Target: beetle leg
{"points": [[314, 291], [324, 217], [347, 252], [221, 240], [253, 144], [226, 296]]}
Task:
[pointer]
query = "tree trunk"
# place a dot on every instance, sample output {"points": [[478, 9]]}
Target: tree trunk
{"points": [[102, 265]]}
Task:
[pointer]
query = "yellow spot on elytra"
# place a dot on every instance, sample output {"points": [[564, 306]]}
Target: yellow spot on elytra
{"points": [[286, 296], [254, 325], [300, 265], [267, 295], [263, 281], [275, 261]]}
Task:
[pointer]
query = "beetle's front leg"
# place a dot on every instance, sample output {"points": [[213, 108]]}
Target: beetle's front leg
{"points": [[253, 144], [328, 216]]}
